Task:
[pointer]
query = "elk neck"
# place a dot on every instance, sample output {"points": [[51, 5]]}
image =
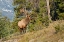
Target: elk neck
{"points": [[27, 19]]}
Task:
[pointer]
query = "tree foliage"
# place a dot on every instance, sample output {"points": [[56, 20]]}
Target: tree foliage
{"points": [[4, 26], [38, 9], [57, 8]]}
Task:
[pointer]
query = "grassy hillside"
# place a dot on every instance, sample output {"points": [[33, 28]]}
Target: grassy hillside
{"points": [[53, 33]]}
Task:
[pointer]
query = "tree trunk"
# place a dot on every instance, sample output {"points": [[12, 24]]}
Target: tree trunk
{"points": [[48, 10]]}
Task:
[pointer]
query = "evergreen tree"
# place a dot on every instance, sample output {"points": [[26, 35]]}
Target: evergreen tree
{"points": [[38, 12], [57, 9], [4, 27]]}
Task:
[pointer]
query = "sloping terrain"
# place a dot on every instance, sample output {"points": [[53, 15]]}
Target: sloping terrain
{"points": [[49, 34]]}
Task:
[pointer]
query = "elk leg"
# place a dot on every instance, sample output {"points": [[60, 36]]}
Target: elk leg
{"points": [[24, 30], [21, 30]]}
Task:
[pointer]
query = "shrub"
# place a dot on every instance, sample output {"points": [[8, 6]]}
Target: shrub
{"points": [[57, 28]]}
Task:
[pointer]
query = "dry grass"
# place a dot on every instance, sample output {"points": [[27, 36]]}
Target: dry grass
{"points": [[44, 35]]}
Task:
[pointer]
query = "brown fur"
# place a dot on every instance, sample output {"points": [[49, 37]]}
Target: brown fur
{"points": [[24, 22]]}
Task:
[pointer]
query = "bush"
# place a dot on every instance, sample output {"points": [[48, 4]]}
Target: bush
{"points": [[57, 28], [4, 27], [61, 16]]}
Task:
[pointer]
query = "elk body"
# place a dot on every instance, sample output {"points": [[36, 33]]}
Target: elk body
{"points": [[23, 23]]}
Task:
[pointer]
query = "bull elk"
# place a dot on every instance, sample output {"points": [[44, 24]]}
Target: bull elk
{"points": [[23, 23]]}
